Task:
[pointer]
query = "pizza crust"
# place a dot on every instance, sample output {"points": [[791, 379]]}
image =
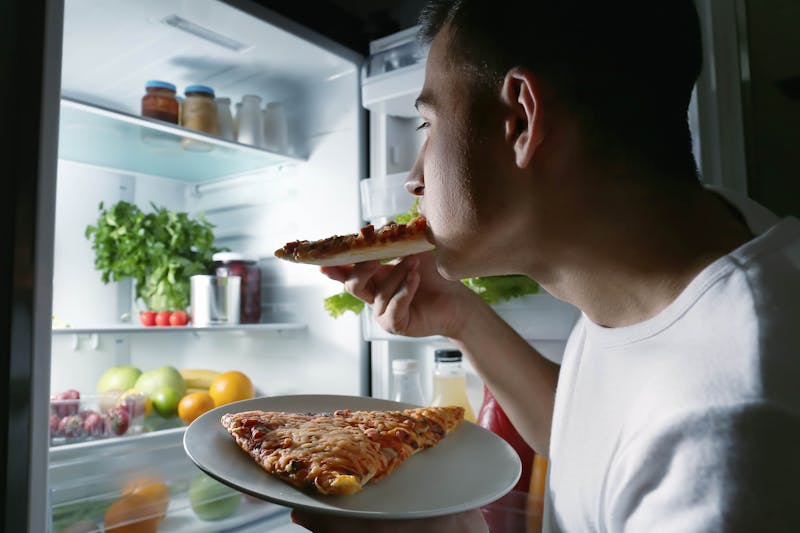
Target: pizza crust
{"points": [[375, 252]]}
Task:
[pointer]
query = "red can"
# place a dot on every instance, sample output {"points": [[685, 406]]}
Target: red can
{"points": [[235, 264]]}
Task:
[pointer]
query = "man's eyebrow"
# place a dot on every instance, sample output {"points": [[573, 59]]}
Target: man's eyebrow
{"points": [[423, 100]]}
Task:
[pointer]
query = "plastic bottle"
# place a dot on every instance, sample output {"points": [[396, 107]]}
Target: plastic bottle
{"points": [[406, 385], [450, 382], [225, 118]]}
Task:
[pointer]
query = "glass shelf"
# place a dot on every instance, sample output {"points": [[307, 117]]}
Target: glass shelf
{"points": [[110, 139], [277, 327]]}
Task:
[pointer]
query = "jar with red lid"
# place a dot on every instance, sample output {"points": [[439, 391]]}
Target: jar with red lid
{"points": [[234, 264], [160, 101]]}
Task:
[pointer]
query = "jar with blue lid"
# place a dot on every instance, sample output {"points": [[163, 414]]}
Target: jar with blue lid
{"points": [[160, 101], [199, 113]]}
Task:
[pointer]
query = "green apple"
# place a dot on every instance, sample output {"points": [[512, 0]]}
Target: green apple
{"points": [[119, 378], [165, 401], [211, 500], [158, 378]]}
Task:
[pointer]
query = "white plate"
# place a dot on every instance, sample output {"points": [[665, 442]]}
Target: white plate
{"points": [[467, 469]]}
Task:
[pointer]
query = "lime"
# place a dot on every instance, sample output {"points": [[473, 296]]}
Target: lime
{"points": [[165, 401]]}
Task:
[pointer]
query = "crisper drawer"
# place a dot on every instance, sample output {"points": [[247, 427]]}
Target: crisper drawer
{"points": [[149, 481]]}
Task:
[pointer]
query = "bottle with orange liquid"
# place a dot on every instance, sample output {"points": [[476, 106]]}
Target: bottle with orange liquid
{"points": [[450, 382]]}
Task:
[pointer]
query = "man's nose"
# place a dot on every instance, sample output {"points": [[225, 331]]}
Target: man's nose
{"points": [[415, 181]]}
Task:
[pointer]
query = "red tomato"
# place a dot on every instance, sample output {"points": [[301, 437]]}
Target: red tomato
{"points": [[147, 318], [162, 318], [178, 318]]}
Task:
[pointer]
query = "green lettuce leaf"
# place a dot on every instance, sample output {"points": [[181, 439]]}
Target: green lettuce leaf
{"points": [[338, 304]]}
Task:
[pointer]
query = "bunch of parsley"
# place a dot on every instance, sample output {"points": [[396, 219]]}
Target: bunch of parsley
{"points": [[160, 250], [493, 289]]}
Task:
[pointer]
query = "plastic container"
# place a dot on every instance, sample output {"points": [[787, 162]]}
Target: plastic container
{"points": [[250, 121], [233, 264], [406, 384], [199, 112], [160, 101], [225, 118], [215, 300], [276, 128], [450, 382], [79, 418]]}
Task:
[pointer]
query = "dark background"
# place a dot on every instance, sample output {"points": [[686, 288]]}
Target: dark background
{"points": [[353, 23]]}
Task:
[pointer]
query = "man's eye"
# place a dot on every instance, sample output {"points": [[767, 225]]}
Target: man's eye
{"points": [[423, 126]]}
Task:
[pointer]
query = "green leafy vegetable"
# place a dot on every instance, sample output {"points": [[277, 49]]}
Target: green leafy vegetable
{"points": [[409, 215], [495, 289], [159, 250], [338, 304]]}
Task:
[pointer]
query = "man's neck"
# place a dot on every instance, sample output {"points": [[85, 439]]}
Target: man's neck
{"points": [[641, 252]]}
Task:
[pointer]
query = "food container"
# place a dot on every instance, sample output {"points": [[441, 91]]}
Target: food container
{"points": [[160, 102], [215, 300], [199, 112], [79, 418], [228, 264]]}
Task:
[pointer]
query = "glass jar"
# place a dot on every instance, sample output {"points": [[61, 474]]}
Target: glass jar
{"points": [[232, 264], [199, 112], [160, 102], [406, 385], [450, 382]]}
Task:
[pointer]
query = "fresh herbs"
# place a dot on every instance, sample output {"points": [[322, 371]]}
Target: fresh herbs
{"points": [[159, 250]]}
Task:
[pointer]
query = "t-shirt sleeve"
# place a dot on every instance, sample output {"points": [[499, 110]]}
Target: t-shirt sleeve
{"points": [[725, 469]]}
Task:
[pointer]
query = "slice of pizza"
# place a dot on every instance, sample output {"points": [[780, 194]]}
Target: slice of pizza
{"points": [[389, 241], [340, 452]]}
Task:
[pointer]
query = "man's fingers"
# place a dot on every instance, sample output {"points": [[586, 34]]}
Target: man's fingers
{"points": [[359, 282], [398, 307], [337, 273], [392, 283]]}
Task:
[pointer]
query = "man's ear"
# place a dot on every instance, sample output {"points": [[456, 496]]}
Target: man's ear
{"points": [[524, 123]]}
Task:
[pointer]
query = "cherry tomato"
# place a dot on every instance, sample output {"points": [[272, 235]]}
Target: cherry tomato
{"points": [[162, 318], [178, 318], [147, 318]]}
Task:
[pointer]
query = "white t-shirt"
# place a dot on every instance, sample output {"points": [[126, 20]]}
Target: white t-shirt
{"points": [[688, 421]]}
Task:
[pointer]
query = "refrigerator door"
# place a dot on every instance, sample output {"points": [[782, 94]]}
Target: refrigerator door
{"points": [[28, 149]]}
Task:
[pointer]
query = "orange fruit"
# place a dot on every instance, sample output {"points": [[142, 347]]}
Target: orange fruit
{"points": [[153, 489], [231, 386], [131, 514], [194, 404]]}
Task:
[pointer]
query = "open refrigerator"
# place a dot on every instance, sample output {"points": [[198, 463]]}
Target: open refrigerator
{"points": [[352, 139]]}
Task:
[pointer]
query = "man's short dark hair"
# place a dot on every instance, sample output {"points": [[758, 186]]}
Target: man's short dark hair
{"points": [[627, 67]]}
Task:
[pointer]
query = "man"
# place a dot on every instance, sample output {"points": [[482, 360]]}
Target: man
{"points": [[558, 147]]}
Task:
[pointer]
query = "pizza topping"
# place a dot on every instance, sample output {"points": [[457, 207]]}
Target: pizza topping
{"points": [[337, 453], [367, 244]]}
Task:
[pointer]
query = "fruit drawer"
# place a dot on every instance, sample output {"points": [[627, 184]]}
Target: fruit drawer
{"points": [[78, 418]]}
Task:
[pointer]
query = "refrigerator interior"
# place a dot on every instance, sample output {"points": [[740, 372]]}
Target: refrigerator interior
{"points": [[257, 200]]}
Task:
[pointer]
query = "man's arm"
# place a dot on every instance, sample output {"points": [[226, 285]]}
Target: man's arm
{"points": [[522, 379], [411, 298]]}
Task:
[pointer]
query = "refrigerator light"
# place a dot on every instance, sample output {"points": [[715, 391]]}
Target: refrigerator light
{"points": [[204, 33]]}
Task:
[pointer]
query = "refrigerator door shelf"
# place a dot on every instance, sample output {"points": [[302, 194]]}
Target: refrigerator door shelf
{"points": [[394, 93], [110, 139], [536, 317], [385, 196]]}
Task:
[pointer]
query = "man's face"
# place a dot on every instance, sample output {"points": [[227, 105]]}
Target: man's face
{"points": [[459, 170]]}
